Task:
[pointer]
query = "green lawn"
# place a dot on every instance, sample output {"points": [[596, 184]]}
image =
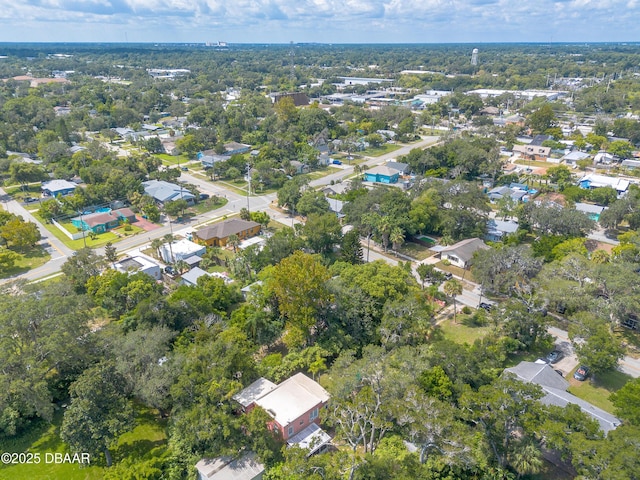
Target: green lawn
{"points": [[377, 151], [29, 259], [208, 205], [133, 230], [146, 440], [172, 159], [460, 272], [596, 389], [316, 174], [415, 250], [533, 163], [462, 331], [100, 240]]}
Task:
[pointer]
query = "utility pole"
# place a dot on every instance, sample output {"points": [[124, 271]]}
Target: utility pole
{"points": [[249, 184]]}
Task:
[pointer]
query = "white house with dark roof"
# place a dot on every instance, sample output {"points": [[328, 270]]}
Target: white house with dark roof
{"points": [[460, 254], [555, 389]]}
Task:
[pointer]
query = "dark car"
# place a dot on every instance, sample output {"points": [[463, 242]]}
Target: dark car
{"points": [[553, 357], [448, 275], [184, 169], [486, 306], [30, 200], [581, 373], [204, 196]]}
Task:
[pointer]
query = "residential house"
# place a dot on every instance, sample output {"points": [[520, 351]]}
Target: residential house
{"points": [[181, 250], [299, 99], [403, 168], [572, 158], [246, 467], [460, 254], [630, 164], [299, 167], [233, 148], [555, 389], [498, 229], [594, 180], [191, 277], [294, 406], [382, 174], [336, 206], [218, 234], [516, 194], [193, 261], [533, 152], [245, 291], [163, 192], [53, 188], [604, 158], [208, 161], [593, 211], [100, 222], [139, 264]]}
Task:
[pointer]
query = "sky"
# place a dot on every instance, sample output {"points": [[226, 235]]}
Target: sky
{"points": [[324, 21]]}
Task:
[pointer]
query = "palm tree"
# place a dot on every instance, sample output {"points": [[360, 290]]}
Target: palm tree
{"points": [[156, 244], [169, 238], [234, 241], [453, 288], [397, 238], [384, 227], [182, 266], [526, 459]]}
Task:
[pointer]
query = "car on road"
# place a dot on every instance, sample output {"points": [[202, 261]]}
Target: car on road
{"points": [[581, 373], [448, 275], [486, 306], [184, 169], [553, 357]]}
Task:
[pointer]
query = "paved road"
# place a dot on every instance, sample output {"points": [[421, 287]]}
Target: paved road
{"points": [[628, 365], [347, 170]]}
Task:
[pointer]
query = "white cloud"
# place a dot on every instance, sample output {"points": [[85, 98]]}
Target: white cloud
{"points": [[312, 20]]}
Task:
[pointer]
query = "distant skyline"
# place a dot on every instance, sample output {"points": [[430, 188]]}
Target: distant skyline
{"points": [[323, 21]]}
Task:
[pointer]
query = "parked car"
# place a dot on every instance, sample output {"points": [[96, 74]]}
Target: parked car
{"points": [[336, 162], [553, 357], [184, 169], [204, 196], [581, 373], [448, 275], [30, 200], [486, 306]]}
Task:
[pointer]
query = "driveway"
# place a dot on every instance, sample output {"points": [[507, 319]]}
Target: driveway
{"points": [[628, 365]]}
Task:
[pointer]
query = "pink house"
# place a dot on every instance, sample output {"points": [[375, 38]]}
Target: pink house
{"points": [[294, 405]]}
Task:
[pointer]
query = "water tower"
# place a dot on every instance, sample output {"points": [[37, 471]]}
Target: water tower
{"points": [[474, 57]]}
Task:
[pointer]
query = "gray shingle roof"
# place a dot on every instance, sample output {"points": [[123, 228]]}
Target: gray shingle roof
{"points": [[555, 388]]}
